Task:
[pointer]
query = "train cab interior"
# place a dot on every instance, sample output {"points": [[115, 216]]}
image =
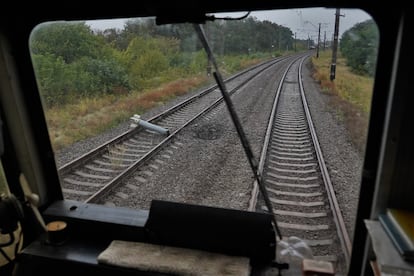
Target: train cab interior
{"points": [[35, 196]]}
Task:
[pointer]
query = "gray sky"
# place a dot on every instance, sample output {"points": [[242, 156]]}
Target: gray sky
{"points": [[303, 22]]}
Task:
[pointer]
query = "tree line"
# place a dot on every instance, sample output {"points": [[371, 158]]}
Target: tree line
{"points": [[71, 60], [359, 45]]}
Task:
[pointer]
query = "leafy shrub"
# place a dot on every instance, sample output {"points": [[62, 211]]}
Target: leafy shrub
{"points": [[359, 46]]}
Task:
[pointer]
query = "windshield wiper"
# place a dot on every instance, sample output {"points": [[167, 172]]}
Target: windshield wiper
{"points": [[243, 138]]}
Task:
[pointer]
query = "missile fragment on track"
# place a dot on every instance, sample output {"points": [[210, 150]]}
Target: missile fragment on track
{"points": [[137, 121]]}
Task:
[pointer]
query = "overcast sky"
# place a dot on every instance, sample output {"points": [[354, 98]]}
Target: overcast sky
{"points": [[303, 22]]}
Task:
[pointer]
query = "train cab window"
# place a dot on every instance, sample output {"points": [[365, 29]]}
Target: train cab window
{"points": [[134, 114], [239, 129], [93, 80]]}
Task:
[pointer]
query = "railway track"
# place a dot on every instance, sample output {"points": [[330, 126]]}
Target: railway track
{"points": [[92, 175], [291, 164], [296, 177]]}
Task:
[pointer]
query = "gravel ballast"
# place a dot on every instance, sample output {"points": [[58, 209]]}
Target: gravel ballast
{"points": [[215, 133]]}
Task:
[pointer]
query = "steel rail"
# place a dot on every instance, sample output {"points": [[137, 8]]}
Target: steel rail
{"points": [[115, 182], [262, 158], [66, 168], [337, 214]]}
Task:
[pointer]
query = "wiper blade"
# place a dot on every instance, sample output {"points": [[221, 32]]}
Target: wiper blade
{"points": [[243, 138]]}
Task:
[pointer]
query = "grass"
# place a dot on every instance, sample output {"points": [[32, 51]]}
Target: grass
{"points": [[350, 95], [88, 117]]}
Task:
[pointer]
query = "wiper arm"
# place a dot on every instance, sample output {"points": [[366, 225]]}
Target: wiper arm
{"points": [[243, 138]]}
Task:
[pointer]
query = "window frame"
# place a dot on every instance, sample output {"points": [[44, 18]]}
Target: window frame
{"points": [[28, 149]]}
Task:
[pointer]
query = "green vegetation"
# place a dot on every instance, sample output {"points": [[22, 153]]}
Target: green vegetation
{"points": [[91, 80], [351, 92], [92, 115], [359, 45], [350, 95]]}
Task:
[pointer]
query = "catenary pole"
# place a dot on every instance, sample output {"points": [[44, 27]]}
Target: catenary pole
{"points": [[335, 46]]}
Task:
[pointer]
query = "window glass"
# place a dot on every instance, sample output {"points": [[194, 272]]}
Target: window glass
{"points": [[114, 87]]}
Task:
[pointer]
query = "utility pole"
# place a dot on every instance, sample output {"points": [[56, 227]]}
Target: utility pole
{"points": [[335, 45], [324, 40], [278, 37], [319, 40], [295, 41]]}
